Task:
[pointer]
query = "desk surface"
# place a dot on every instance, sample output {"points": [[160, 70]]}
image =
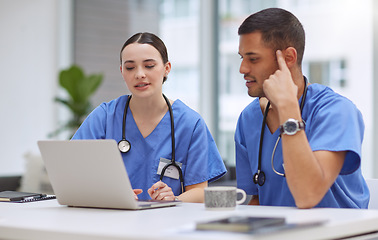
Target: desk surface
{"points": [[49, 220]]}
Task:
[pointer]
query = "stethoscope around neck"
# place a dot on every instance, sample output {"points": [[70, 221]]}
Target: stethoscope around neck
{"points": [[259, 177], [125, 146]]}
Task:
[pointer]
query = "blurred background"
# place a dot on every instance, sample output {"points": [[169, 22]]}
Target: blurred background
{"points": [[39, 38]]}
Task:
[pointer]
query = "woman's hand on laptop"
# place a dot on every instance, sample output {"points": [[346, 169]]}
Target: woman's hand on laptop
{"points": [[161, 191], [136, 192]]}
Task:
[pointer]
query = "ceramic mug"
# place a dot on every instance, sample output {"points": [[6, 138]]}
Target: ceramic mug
{"points": [[223, 198]]}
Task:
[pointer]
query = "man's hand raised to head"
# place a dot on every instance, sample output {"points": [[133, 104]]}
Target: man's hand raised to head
{"points": [[279, 88]]}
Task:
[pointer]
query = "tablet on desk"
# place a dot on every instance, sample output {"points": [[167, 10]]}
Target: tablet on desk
{"points": [[240, 223], [91, 173], [254, 225]]}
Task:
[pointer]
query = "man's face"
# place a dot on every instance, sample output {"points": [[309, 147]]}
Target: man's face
{"points": [[258, 62]]}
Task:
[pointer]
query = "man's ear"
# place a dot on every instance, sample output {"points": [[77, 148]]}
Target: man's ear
{"points": [[290, 55]]}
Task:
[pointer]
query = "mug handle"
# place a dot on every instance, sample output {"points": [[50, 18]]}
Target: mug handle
{"points": [[243, 198]]}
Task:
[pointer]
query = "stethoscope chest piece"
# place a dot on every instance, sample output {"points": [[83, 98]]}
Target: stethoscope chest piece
{"points": [[124, 145], [259, 178]]}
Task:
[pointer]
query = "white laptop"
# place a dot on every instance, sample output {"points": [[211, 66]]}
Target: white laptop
{"points": [[91, 173]]}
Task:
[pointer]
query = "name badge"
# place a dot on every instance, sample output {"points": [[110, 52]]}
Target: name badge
{"points": [[171, 171]]}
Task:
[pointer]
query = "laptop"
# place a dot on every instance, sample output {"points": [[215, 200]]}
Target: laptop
{"points": [[91, 173]]}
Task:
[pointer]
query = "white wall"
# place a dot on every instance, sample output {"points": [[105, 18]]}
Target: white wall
{"points": [[28, 63]]}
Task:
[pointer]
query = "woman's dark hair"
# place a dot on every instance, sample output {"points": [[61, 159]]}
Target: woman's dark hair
{"points": [[151, 39], [280, 29]]}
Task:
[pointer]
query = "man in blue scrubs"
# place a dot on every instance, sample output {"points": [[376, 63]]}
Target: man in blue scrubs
{"points": [[317, 159]]}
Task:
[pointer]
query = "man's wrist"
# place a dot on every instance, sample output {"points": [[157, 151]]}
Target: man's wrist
{"points": [[292, 126]]}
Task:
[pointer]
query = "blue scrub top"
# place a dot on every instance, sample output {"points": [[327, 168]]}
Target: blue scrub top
{"points": [[195, 147], [333, 123]]}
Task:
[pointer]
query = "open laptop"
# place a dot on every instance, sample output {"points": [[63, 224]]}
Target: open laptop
{"points": [[91, 173]]}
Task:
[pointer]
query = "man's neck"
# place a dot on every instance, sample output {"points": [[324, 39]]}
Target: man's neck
{"points": [[299, 80]]}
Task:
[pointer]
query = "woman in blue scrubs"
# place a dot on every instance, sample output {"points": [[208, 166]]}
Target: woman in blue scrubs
{"points": [[145, 67]]}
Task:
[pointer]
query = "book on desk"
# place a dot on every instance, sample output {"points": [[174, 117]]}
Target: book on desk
{"points": [[22, 197]]}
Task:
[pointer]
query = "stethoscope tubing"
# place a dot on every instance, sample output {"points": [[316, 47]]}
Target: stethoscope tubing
{"points": [[125, 146], [173, 160], [259, 177]]}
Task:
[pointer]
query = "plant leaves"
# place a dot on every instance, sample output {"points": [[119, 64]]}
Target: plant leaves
{"points": [[79, 88], [70, 80]]}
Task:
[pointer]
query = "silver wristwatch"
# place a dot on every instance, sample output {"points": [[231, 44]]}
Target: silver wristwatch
{"points": [[291, 126]]}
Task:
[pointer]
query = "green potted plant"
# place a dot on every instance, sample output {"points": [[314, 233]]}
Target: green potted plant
{"points": [[80, 88]]}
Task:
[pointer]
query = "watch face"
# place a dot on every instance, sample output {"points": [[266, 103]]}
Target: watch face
{"points": [[291, 127]]}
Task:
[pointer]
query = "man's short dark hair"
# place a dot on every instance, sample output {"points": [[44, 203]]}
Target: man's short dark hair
{"points": [[280, 29]]}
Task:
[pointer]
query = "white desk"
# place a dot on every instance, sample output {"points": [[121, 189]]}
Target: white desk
{"points": [[48, 220]]}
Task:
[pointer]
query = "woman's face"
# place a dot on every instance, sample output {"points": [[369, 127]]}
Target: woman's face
{"points": [[143, 69]]}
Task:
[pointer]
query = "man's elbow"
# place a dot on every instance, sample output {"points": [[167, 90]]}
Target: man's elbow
{"points": [[254, 200], [307, 202]]}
